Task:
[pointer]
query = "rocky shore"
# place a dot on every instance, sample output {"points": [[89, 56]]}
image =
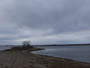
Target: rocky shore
{"points": [[24, 59]]}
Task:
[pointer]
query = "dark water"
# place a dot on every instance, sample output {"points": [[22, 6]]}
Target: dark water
{"points": [[4, 47], [79, 53]]}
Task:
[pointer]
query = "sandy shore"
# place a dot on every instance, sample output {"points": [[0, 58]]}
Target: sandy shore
{"points": [[23, 59]]}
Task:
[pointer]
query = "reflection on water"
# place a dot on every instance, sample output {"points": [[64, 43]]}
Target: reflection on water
{"points": [[80, 53]]}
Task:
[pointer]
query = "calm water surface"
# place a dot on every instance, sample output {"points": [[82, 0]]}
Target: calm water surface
{"points": [[79, 53], [4, 47]]}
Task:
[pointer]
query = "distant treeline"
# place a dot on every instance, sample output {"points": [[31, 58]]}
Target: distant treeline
{"points": [[63, 45], [52, 45]]}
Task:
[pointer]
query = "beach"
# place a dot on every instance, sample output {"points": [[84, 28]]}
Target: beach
{"points": [[24, 59]]}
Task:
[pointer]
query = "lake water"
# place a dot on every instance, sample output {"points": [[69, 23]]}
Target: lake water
{"points": [[4, 47], [79, 53]]}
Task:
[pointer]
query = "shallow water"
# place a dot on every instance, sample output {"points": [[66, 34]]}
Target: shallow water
{"points": [[79, 53]]}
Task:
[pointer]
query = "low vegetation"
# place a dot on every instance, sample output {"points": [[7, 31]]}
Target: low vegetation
{"points": [[20, 48]]}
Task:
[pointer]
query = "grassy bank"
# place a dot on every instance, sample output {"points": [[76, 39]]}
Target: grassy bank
{"points": [[20, 58]]}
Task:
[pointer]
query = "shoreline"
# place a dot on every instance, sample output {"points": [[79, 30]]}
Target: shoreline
{"points": [[26, 59], [63, 58]]}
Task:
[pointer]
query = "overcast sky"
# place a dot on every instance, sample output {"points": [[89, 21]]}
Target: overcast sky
{"points": [[44, 21]]}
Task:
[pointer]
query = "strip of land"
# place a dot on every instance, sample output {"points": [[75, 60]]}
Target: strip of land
{"points": [[24, 59], [64, 45]]}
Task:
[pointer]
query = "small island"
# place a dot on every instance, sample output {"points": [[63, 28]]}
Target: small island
{"points": [[21, 57]]}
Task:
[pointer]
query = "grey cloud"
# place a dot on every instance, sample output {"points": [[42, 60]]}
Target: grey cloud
{"points": [[51, 15], [71, 37], [39, 16]]}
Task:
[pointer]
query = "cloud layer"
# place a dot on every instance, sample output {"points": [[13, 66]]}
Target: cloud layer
{"points": [[44, 21]]}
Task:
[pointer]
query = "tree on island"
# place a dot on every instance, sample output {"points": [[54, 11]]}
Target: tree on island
{"points": [[27, 44]]}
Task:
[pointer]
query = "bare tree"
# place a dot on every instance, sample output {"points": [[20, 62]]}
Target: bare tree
{"points": [[26, 43]]}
